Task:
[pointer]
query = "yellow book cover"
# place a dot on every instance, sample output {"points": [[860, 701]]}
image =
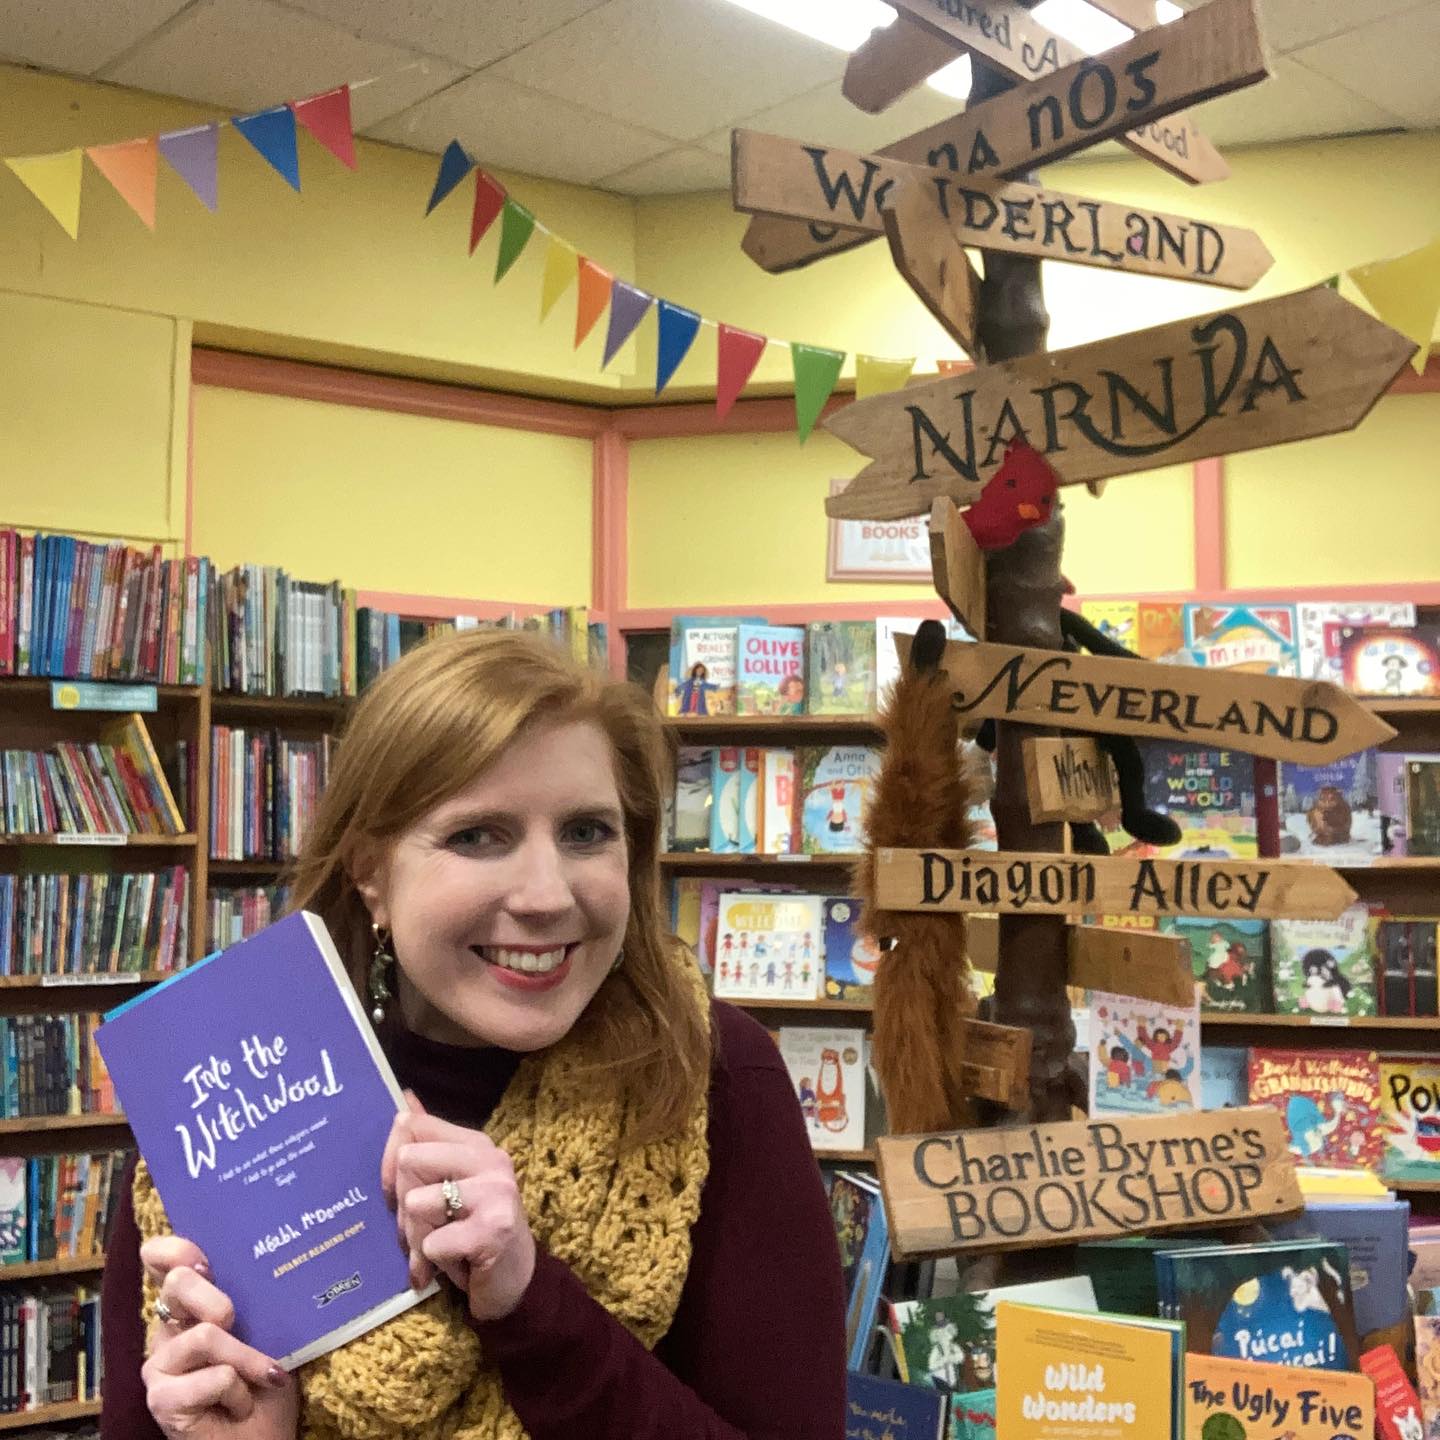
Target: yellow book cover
{"points": [[1323, 1182], [1243, 1400], [1119, 619], [1065, 1375]]}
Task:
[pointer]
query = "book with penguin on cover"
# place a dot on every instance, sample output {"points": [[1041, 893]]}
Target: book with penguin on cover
{"points": [[261, 1101]]}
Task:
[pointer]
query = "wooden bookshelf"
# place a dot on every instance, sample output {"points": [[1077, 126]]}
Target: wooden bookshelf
{"points": [[48, 1269], [1331, 1023], [38, 1124], [846, 1157], [812, 1007], [772, 865], [103, 979], [101, 842], [770, 729], [257, 869], [226, 708], [50, 1414]]}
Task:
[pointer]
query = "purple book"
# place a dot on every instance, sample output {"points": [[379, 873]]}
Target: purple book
{"points": [[1390, 782], [261, 1102]]}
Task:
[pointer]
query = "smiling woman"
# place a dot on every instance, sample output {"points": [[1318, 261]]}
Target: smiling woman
{"points": [[608, 1171]]}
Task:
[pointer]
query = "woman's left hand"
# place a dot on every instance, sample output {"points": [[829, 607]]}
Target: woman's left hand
{"points": [[487, 1250]]}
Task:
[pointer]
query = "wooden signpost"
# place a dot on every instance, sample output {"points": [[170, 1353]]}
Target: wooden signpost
{"points": [[934, 264], [1010, 882], [972, 1191], [959, 566], [997, 1062], [1304, 364], [892, 62], [1310, 722], [775, 176], [1142, 963], [1068, 778]]}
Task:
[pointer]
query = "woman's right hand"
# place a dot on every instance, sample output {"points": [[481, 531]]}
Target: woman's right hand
{"points": [[201, 1383]]}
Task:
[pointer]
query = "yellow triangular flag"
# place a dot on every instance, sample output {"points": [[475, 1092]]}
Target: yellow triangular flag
{"points": [[54, 180], [561, 265], [874, 376], [1405, 294]]}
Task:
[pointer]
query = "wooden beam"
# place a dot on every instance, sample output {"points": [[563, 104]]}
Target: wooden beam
{"points": [[892, 62], [959, 566], [1067, 778], [934, 265], [1142, 963]]}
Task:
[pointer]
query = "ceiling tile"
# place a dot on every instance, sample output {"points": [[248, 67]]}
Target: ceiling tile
{"points": [[1289, 24], [245, 54], [471, 34], [682, 67], [1372, 62], [508, 127], [676, 172], [77, 36]]}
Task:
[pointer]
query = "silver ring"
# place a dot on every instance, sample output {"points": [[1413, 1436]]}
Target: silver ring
{"points": [[164, 1314], [454, 1205]]}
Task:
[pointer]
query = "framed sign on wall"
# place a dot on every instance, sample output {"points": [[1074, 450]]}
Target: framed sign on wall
{"points": [[878, 549]]}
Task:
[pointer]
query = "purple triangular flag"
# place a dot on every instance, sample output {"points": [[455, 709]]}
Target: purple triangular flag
{"points": [[194, 156], [627, 309]]}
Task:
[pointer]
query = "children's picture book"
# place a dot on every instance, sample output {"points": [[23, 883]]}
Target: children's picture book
{"points": [[1422, 807], [12, 1211], [770, 670], [1330, 1100], [1410, 1118], [1312, 617], [1331, 812], [1229, 1399], [725, 799], [702, 663], [876, 1408], [1231, 959], [972, 1415], [1324, 967], [1397, 1406], [1144, 1056], [835, 783], [1375, 660], [851, 956], [1117, 620], [690, 822], [768, 947], [261, 1102], [827, 1069], [1405, 967], [1209, 794], [775, 805], [1162, 632], [1258, 639], [749, 801], [1392, 790], [858, 1210], [710, 893], [841, 674], [1427, 1372], [1224, 1077]]}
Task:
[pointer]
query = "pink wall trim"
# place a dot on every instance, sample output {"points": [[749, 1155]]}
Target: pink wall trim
{"points": [[659, 618], [749, 417], [610, 523], [189, 473], [1409, 383], [1209, 538]]}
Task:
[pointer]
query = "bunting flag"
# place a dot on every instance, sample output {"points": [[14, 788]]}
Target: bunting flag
{"points": [[455, 165], [54, 180], [517, 225], [1405, 294], [737, 352], [874, 376], [489, 202], [678, 328], [561, 261], [272, 133], [132, 167], [816, 371], [628, 304], [952, 367], [327, 118], [194, 155], [592, 296]]}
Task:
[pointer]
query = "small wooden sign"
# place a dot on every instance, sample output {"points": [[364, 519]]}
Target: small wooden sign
{"points": [[997, 1062], [1142, 963], [959, 566], [934, 264], [1309, 363], [1012, 882], [972, 1191], [1310, 722], [892, 62], [1067, 778], [776, 176]]}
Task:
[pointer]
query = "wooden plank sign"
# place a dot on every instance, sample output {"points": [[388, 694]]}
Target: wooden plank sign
{"points": [[934, 264], [1142, 963], [1309, 363], [892, 62], [997, 1062], [776, 176], [1019, 883], [1067, 778], [972, 1191], [959, 566]]}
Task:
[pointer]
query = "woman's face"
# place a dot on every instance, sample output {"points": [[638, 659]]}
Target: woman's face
{"points": [[508, 902]]}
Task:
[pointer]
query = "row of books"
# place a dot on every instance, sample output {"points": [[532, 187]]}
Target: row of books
{"points": [[106, 923], [113, 786], [57, 1207], [52, 1066], [264, 790], [50, 1351], [236, 912]]}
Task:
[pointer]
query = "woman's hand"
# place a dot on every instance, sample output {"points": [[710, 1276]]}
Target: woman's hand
{"points": [[486, 1250], [201, 1383]]}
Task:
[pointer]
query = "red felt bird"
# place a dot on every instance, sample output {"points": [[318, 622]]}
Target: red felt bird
{"points": [[1019, 496]]}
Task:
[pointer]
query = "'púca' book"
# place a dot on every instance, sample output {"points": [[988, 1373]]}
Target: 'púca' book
{"points": [[1330, 1100], [1245, 1400], [877, 1409], [261, 1102]]}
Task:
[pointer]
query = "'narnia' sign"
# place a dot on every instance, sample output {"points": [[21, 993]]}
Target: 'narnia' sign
{"points": [[978, 1190]]}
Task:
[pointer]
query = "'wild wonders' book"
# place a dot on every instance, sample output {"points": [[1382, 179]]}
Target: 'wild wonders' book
{"points": [[1246, 1400]]}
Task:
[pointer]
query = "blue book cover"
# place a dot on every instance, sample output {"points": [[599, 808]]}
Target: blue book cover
{"points": [[261, 1102], [876, 1408], [863, 1230], [1224, 1077], [851, 956]]}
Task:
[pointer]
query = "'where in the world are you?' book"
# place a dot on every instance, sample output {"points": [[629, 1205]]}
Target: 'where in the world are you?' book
{"points": [[261, 1102]]}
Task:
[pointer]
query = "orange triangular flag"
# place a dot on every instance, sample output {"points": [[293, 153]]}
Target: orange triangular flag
{"points": [[131, 167], [593, 297]]}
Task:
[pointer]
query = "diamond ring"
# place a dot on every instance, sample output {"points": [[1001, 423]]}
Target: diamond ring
{"points": [[454, 1205]]}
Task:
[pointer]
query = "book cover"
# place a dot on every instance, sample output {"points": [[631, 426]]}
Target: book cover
{"points": [[1312, 617], [770, 670], [1397, 1406], [725, 799], [1396, 663], [1330, 1100], [1143, 1055], [1258, 639], [690, 816], [827, 1069], [1162, 631], [1405, 967], [702, 663], [1324, 967], [261, 1102], [1231, 959], [14, 1237], [972, 1415], [710, 893], [877, 1409], [887, 655], [1422, 807], [835, 783], [1117, 620], [1209, 793], [775, 818], [1331, 812], [768, 947], [1224, 1077], [864, 1239], [841, 672], [685, 914], [749, 800], [1391, 773], [851, 956], [1410, 1118], [1427, 1372], [1246, 1400]]}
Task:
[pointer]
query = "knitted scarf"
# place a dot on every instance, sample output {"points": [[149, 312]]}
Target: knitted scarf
{"points": [[620, 1219]]}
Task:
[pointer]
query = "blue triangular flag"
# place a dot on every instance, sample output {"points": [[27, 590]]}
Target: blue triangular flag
{"points": [[272, 133], [455, 165], [678, 327]]}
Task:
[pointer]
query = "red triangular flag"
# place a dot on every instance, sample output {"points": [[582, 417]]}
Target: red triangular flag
{"points": [[738, 352], [489, 202], [327, 118]]}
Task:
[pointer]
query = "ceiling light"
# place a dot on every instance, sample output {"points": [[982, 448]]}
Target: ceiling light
{"points": [[954, 79], [1082, 24], [845, 24]]}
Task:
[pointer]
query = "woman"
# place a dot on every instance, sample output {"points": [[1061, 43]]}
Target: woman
{"points": [[610, 1173]]}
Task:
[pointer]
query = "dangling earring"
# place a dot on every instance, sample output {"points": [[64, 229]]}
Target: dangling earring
{"points": [[380, 963], [617, 962]]}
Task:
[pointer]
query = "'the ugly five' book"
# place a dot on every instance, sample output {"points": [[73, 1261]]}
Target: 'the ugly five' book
{"points": [[261, 1102]]}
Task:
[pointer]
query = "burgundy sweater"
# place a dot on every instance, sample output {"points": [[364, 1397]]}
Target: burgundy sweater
{"points": [[757, 1347]]}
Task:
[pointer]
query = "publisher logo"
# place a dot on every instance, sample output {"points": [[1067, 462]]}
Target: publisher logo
{"points": [[339, 1288]]}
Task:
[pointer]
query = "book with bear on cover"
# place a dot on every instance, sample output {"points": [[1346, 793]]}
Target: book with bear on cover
{"points": [[1331, 812], [1229, 1399], [1324, 967], [1330, 1100], [1231, 959], [1144, 1055]]}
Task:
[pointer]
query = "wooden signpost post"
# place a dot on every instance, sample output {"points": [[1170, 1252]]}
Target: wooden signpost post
{"points": [[772, 175], [934, 264], [1142, 963], [972, 1191], [1068, 778], [1009, 882], [959, 566], [1304, 364]]}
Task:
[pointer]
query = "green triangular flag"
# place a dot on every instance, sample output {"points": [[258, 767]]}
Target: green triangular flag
{"points": [[816, 371], [1333, 283], [517, 225]]}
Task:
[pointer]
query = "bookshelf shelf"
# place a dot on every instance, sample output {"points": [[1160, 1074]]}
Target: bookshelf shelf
{"points": [[30, 686], [50, 1414], [44, 1269], [845, 1157], [82, 982], [1386, 707], [833, 1007], [1407, 862], [27, 1124], [100, 842], [247, 867], [772, 864], [224, 706], [1323, 1022], [788, 727]]}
